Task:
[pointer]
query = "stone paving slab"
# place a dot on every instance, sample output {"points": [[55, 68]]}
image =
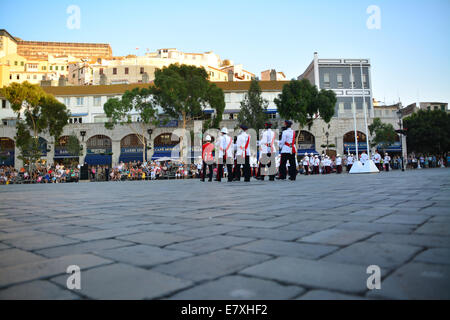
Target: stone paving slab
{"points": [[211, 265], [434, 255], [83, 247], [11, 257], [239, 288], [47, 268], [416, 281], [208, 244], [328, 295], [142, 255], [38, 290], [385, 255], [120, 281], [285, 248], [309, 273], [312, 238], [336, 237]]}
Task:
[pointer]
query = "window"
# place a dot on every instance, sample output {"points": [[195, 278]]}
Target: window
{"points": [[18, 77], [101, 70], [28, 76], [364, 80], [10, 77], [114, 70], [67, 101], [126, 70], [97, 101], [142, 70], [3, 104], [56, 67], [21, 63], [51, 67], [5, 123], [44, 67], [62, 68], [15, 63], [443, 107], [428, 108], [341, 107], [73, 75], [80, 120], [340, 81], [80, 101], [326, 80], [352, 80], [34, 77]]}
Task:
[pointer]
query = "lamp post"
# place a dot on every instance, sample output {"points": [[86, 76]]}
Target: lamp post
{"points": [[403, 136], [83, 134]]}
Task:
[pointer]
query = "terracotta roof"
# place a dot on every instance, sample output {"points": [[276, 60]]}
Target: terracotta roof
{"points": [[121, 88]]}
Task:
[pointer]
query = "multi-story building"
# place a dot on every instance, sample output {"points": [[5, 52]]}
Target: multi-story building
{"points": [[272, 75], [111, 146], [41, 49]]}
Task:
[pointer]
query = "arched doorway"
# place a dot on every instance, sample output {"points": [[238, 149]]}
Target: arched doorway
{"points": [[164, 146], [7, 148], [306, 143], [62, 154], [99, 150], [349, 142], [132, 149]]}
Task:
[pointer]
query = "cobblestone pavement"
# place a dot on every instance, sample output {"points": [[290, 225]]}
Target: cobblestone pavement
{"points": [[309, 239]]}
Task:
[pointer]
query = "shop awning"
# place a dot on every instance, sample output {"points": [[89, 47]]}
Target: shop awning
{"points": [[98, 159], [301, 152], [130, 157]]}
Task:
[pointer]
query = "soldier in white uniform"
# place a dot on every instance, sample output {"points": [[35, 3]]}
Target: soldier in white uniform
{"points": [[268, 153], [364, 157], [387, 160], [338, 164], [224, 144], [305, 163], [377, 160], [349, 162], [243, 154], [288, 152]]}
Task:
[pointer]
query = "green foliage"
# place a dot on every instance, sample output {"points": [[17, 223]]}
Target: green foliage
{"points": [[301, 101], [428, 132], [384, 134], [184, 91], [37, 112], [137, 100], [253, 107], [73, 146]]}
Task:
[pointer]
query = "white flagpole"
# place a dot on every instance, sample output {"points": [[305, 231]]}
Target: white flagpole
{"points": [[354, 112], [365, 112]]}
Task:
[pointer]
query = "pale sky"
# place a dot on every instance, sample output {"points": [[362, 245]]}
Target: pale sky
{"points": [[409, 52]]}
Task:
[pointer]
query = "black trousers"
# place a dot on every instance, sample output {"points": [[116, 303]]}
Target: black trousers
{"points": [[229, 171], [262, 166], [210, 174], [247, 170], [285, 157]]}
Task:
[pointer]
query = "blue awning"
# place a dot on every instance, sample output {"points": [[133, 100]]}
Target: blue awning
{"points": [[7, 159], [208, 111], [301, 152], [271, 111], [158, 155], [79, 114], [98, 159], [130, 157]]}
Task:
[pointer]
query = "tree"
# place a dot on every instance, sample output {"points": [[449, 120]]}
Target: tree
{"points": [[184, 92], [37, 112], [253, 108], [384, 134], [73, 146], [428, 132], [140, 101], [300, 101]]}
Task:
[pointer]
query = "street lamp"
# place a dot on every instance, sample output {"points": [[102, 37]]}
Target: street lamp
{"points": [[83, 134], [402, 132]]}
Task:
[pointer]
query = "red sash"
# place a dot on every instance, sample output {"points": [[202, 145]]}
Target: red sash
{"points": [[246, 146], [228, 146], [292, 145]]}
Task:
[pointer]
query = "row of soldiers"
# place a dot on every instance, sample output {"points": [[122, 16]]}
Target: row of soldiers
{"points": [[235, 155]]}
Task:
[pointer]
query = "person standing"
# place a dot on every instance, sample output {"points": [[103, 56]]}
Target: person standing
{"points": [[305, 163], [207, 158], [267, 147], [288, 152], [224, 145], [243, 153], [387, 160], [338, 164], [377, 160], [364, 158], [349, 162]]}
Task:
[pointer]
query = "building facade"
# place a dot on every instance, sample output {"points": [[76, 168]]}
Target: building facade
{"points": [[103, 146]]}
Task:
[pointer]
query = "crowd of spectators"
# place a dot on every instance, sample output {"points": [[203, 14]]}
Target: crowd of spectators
{"points": [[39, 174]]}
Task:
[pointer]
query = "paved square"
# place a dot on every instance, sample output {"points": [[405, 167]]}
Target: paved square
{"points": [[309, 239]]}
